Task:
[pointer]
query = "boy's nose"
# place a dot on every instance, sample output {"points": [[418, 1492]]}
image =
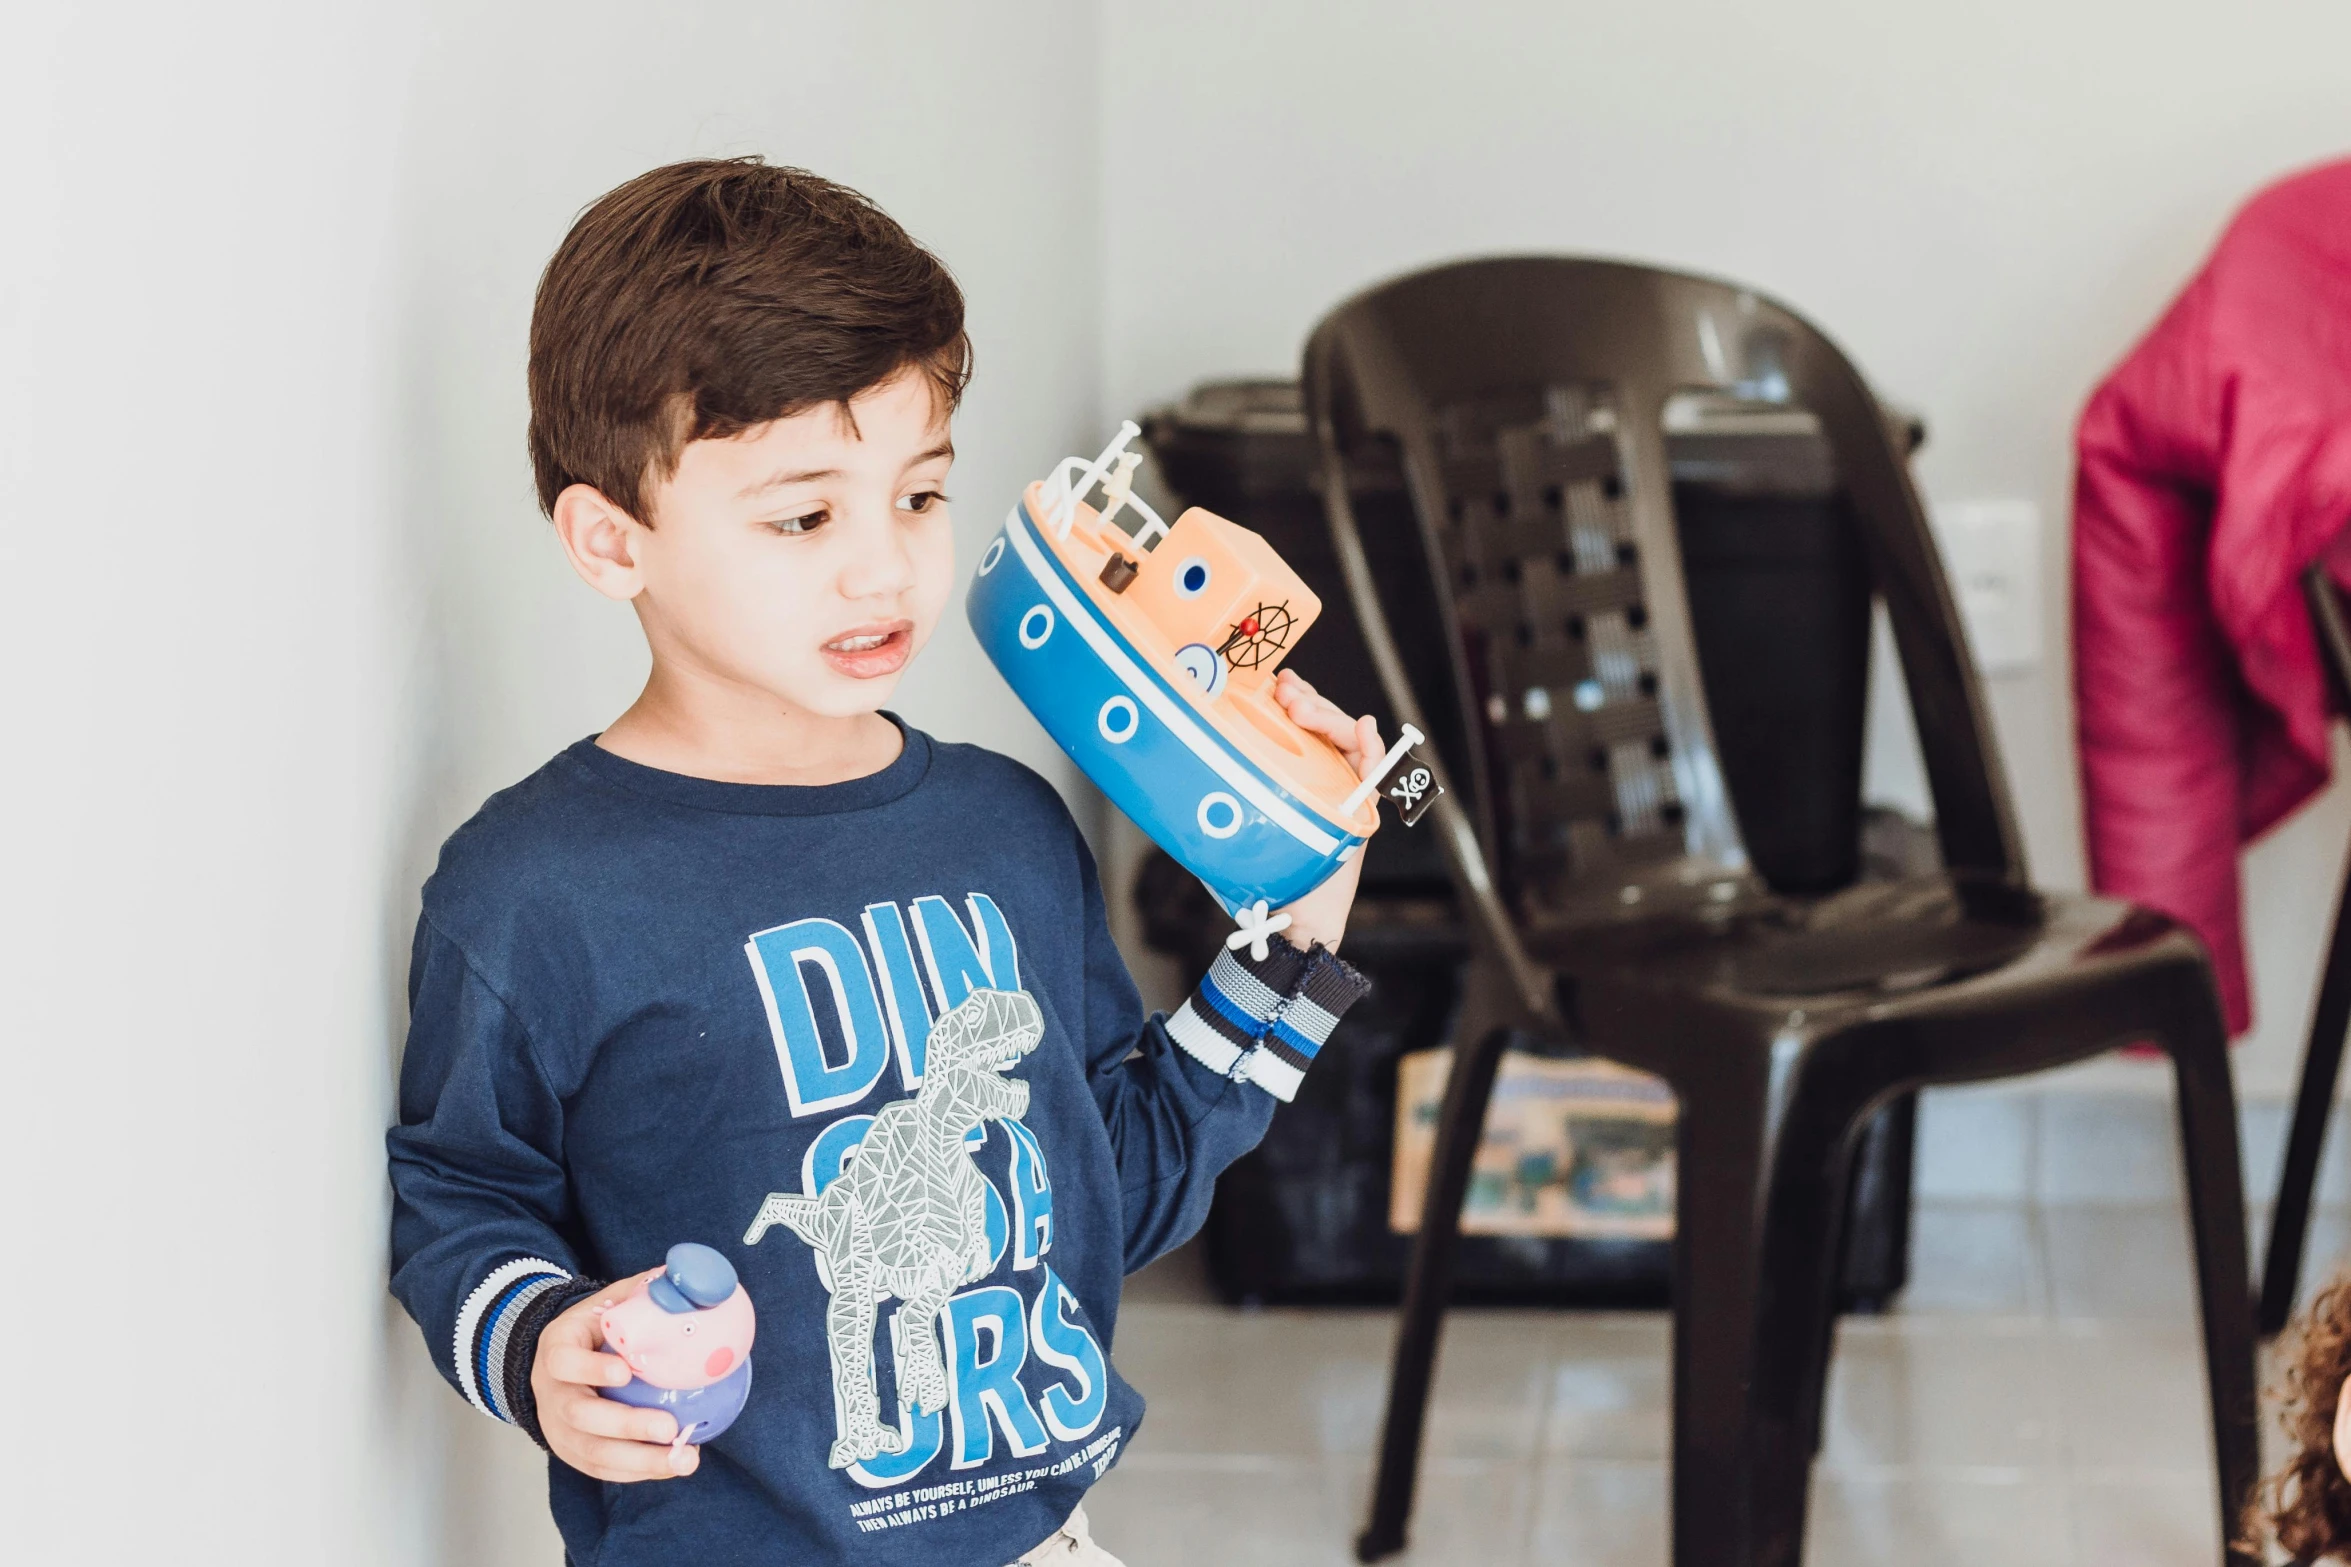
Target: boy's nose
{"points": [[882, 568]]}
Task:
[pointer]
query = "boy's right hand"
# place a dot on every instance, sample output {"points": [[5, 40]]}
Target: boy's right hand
{"points": [[600, 1438]]}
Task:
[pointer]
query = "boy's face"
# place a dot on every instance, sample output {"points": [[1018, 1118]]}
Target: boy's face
{"points": [[807, 559]]}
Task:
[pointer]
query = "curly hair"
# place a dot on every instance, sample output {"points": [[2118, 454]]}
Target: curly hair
{"points": [[2306, 1506]]}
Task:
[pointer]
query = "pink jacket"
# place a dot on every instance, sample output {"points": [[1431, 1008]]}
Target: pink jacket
{"points": [[2215, 465]]}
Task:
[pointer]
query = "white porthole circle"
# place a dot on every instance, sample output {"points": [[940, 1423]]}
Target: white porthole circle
{"points": [[1219, 814], [1036, 626], [994, 554], [1200, 661], [1118, 720], [1191, 577]]}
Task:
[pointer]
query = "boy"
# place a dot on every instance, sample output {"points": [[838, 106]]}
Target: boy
{"points": [[684, 981]]}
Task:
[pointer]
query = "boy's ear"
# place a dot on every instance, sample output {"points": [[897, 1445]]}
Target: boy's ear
{"points": [[601, 540]]}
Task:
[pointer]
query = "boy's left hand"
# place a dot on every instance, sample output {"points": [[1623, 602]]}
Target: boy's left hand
{"points": [[1321, 915]]}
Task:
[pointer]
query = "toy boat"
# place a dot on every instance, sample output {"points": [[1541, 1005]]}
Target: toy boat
{"points": [[1150, 656]]}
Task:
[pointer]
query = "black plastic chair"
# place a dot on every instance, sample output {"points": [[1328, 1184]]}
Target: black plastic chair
{"points": [[2322, 1056], [1781, 603], [1610, 901]]}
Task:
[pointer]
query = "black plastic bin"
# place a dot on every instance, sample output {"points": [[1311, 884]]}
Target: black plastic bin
{"points": [[1780, 599]]}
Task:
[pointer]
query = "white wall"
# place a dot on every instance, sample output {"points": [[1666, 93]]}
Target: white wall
{"points": [[1985, 203], [203, 782], [282, 612]]}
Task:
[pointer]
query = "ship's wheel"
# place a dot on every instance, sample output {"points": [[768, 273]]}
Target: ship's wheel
{"points": [[1260, 635]]}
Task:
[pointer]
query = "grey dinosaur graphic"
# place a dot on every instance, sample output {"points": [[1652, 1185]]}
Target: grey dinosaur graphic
{"points": [[907, 1216]]}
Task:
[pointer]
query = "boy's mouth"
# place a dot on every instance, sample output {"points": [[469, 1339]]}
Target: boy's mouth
{"points": [[873, 650]]}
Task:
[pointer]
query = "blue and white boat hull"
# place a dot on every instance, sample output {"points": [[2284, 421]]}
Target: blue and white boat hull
{"points": [[1138, 738]]}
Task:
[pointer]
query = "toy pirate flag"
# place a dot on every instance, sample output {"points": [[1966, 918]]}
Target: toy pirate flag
{"points": [[1410, 782], [1413, 789]]}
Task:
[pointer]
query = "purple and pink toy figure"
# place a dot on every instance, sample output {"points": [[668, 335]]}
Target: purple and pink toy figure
{"points": [[686, 1334]]}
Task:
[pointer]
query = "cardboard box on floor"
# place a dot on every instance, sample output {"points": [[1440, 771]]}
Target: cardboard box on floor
{"points": [[1579, 1148]]}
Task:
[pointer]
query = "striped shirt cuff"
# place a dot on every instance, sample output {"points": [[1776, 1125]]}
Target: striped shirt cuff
{"points": [[522, 1349], [1263, 1022], [486, 1325]]}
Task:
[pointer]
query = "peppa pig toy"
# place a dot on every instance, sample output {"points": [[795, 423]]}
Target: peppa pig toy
{"points": [[1150, 655], [686, 1334]]}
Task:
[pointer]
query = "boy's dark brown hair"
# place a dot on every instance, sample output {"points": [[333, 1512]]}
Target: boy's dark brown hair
{"points": [[2306, 1505], [702, 299]]}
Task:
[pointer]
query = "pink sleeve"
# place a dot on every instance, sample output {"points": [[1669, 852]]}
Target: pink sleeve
{"points": [[2154, 679]]}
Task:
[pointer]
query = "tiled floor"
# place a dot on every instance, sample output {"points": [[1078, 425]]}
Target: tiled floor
{"points": [[2036, 1400]]}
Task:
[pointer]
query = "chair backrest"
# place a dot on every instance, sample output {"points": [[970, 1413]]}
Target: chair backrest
{"points": [[1526, 400]]}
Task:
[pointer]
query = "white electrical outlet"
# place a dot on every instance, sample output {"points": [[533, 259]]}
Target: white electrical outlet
{"points": [[1992, 554]]}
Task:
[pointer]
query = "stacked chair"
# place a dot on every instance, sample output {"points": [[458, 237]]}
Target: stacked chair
{"points": [[1549, 650]]}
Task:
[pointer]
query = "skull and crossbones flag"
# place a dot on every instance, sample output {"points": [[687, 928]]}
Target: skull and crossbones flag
{"points": [[1412, 788]]}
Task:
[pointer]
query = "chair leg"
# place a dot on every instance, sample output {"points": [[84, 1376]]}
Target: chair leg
{"points": [[2322, 1061], [1824, 1338], [1875, 1254], [1884, 1145], [1805, 1216], [1460, 1122], [2198, 1043], [1717, 1287]]}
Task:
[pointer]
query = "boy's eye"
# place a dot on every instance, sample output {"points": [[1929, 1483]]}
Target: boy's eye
{"points": [[806, 522], [921, 500]]}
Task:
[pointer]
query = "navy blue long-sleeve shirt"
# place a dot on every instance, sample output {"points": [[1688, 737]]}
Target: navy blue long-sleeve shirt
{"points": [[649, 1008]]}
